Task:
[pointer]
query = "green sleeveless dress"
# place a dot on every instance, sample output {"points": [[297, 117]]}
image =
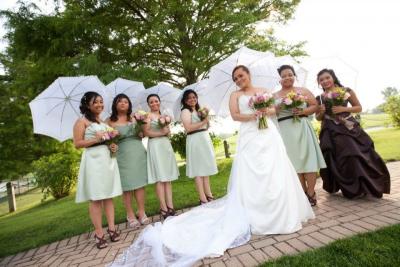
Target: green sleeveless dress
{"points": [[301, 143], [200, 156], [132, 158], [98, 172], [161, 162]]}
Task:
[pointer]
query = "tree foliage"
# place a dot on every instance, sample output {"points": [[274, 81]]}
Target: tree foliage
{"points": [[389, 91], [151, 41]]}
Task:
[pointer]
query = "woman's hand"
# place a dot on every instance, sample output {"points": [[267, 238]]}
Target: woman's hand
{"points": [[338, 109], [298, 111], [113, 147], [257, 114], [322, 109], [115, 133], [263, 110], [165, 130], [270, 111], [100, 136]]}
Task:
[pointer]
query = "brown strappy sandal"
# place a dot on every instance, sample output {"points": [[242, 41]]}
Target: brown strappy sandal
{"points": [[164, 214], [100, 242], [202, 202], [171, 211], [312, 199], [210, 198], [114, 236]]}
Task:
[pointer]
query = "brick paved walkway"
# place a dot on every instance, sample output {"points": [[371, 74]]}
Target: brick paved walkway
{"points": [[336, 218]]}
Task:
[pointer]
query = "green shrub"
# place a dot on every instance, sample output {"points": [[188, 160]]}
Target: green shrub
{"points": [[392, 107], [216, 140], [178, 142], [56, 174]]}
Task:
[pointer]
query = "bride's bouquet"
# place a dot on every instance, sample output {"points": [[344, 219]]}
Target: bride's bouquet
{"points": [[260, 101], [140, 117], [335, 97], [293, 100]]}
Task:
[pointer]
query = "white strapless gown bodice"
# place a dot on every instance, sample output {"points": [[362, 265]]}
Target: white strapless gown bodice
{"points": [[264, 197]]}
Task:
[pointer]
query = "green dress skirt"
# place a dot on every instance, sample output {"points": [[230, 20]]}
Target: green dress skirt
{"points": [[200, 156], [132, 158], [98, 172], [301, 142], [161, 162]]}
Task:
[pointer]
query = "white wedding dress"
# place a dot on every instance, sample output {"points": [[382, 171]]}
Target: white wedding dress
{"points": [[264, 197]]}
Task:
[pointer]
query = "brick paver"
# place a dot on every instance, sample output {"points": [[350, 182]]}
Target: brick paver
{"points": [[336, 218]]}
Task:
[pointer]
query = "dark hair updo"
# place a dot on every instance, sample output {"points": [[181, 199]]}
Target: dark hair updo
{"points": [[242, 67], [185, 97], [151, 95], [86, 100], [332, 73], [114, 112], [155, 95], [286, 67]]}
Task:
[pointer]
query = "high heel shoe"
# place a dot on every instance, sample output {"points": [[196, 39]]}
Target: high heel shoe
{"points": [[100, 242], [171, 211], [133, 223], [114, 236], [144, 220], [164, 213], [312, 199], [202, 202], [210, 198]]}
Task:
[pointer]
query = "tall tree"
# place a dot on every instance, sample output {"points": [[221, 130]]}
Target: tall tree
{"points": [[180, 39], [175, 41], [389, 91]]}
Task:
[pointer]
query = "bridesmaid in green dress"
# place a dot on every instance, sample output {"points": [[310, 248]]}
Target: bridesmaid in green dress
{"points": [[298, 135], [132, 159], [200, 156], [98, 180], [161, 162]]}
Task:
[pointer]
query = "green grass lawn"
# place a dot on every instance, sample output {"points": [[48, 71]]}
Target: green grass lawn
{"points": [[220, 152], [374, 120], [24, 201], [37, 223], [379, 248], [387, 143]]}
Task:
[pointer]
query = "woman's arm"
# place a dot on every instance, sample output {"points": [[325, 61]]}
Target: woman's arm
{"points": [[277, 104], [186, 118], [79, 135], [234, 109], [150, 133], [312, 105]]}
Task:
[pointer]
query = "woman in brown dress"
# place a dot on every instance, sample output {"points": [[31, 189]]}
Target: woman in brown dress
{"points": [[353, 166]]}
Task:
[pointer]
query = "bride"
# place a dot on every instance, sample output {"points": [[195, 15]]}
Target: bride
{"points": [[264, 197]]}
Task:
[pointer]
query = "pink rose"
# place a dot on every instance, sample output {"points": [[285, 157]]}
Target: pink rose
{"points": [[287, 101]]}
